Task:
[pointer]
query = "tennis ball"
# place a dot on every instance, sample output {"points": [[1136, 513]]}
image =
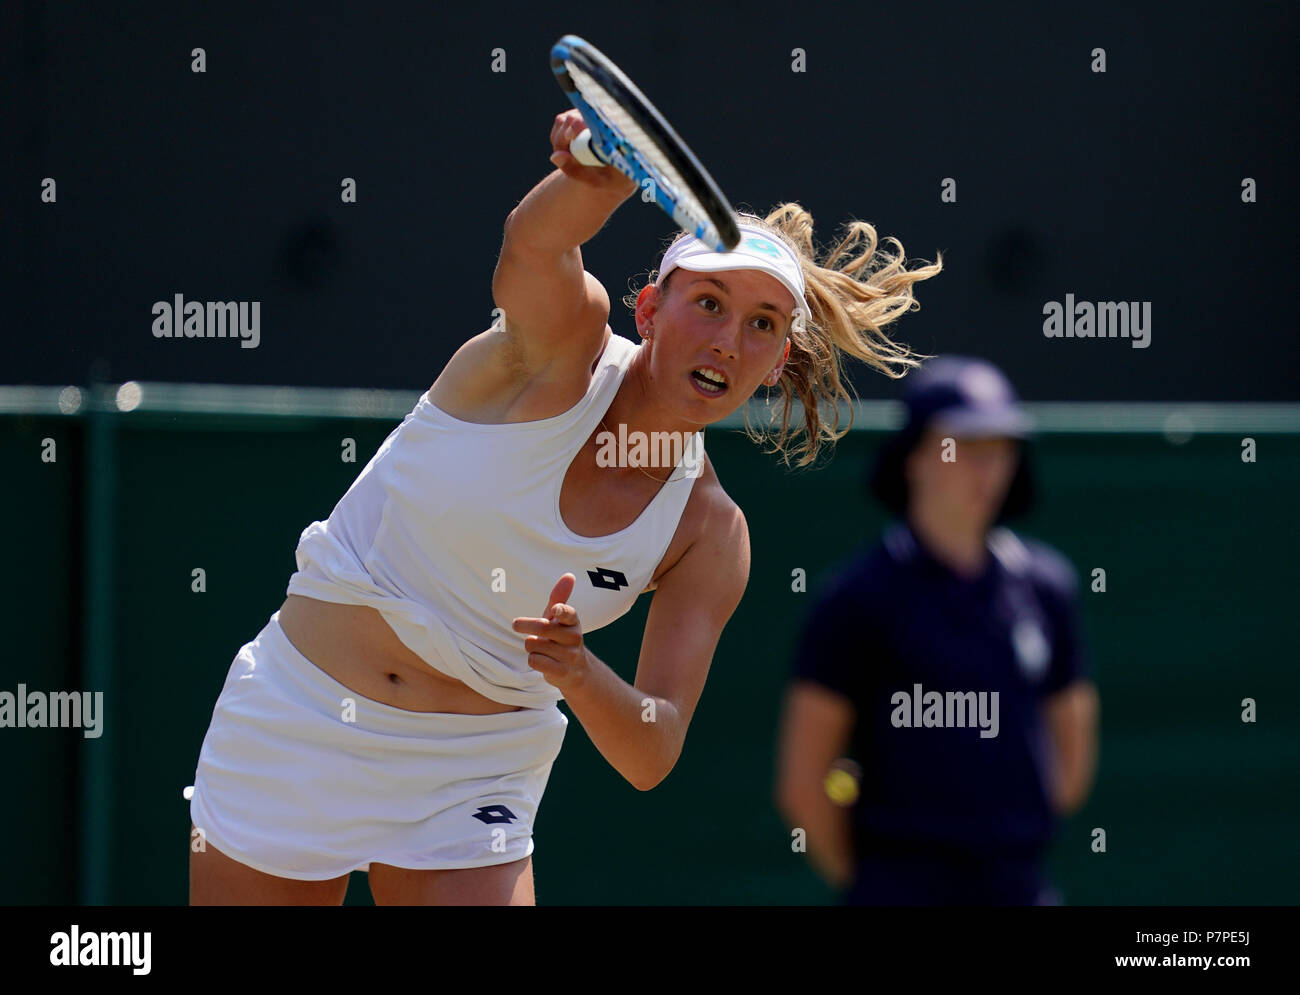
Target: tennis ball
{"points": [[841, 786]]}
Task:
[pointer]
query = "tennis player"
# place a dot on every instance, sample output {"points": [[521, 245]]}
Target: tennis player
{"points": [[398, 713]]}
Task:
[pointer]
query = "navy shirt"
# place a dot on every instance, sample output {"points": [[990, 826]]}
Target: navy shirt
{"points": [[905, 638]]}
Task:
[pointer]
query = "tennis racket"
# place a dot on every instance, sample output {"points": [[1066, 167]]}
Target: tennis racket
{"points": [[624, 130]]}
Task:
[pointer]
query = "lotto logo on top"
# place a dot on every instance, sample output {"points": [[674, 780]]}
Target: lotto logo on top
{"points": [[761, 245]]}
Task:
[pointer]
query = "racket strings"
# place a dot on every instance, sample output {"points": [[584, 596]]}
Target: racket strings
{"points": [[642, 146]]}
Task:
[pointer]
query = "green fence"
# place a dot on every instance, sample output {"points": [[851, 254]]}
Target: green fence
{"points": [[149, 482]]}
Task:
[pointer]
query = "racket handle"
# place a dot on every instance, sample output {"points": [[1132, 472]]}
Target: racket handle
{"points": [[580, 148]]}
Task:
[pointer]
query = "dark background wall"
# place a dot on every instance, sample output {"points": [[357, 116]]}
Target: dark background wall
{"points": [[1123, 185]]}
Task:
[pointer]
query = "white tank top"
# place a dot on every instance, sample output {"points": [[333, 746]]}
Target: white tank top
{"points": [[453, 529]]}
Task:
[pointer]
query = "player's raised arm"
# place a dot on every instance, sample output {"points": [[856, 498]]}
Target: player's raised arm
{"points": [[554, 309]]}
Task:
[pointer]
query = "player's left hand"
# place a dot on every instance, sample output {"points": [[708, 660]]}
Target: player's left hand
{"points": [[554, 642]]}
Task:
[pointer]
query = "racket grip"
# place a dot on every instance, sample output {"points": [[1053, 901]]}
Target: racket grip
{"points": [[580, 148]]}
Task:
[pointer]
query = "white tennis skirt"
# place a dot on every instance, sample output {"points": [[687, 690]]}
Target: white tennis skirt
{"points": [[301, 777]]}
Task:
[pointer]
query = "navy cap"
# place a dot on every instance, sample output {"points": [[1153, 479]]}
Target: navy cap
{"points": [[966, 398]]}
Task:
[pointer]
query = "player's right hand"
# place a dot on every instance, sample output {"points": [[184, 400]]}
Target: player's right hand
{"points": [[568, 126]]}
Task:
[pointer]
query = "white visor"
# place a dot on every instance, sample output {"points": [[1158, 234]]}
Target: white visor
{"points": [[756, 250]]}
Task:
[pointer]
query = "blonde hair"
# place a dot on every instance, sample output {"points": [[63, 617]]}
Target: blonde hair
{"points": [[857, 290]]}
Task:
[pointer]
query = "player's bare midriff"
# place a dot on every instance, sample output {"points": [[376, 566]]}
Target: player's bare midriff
{"points": [[356, 647]]}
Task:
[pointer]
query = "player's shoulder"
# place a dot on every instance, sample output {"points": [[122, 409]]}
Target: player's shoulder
{"points": [[711, 511], [712, 534], [1043, 565]]}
